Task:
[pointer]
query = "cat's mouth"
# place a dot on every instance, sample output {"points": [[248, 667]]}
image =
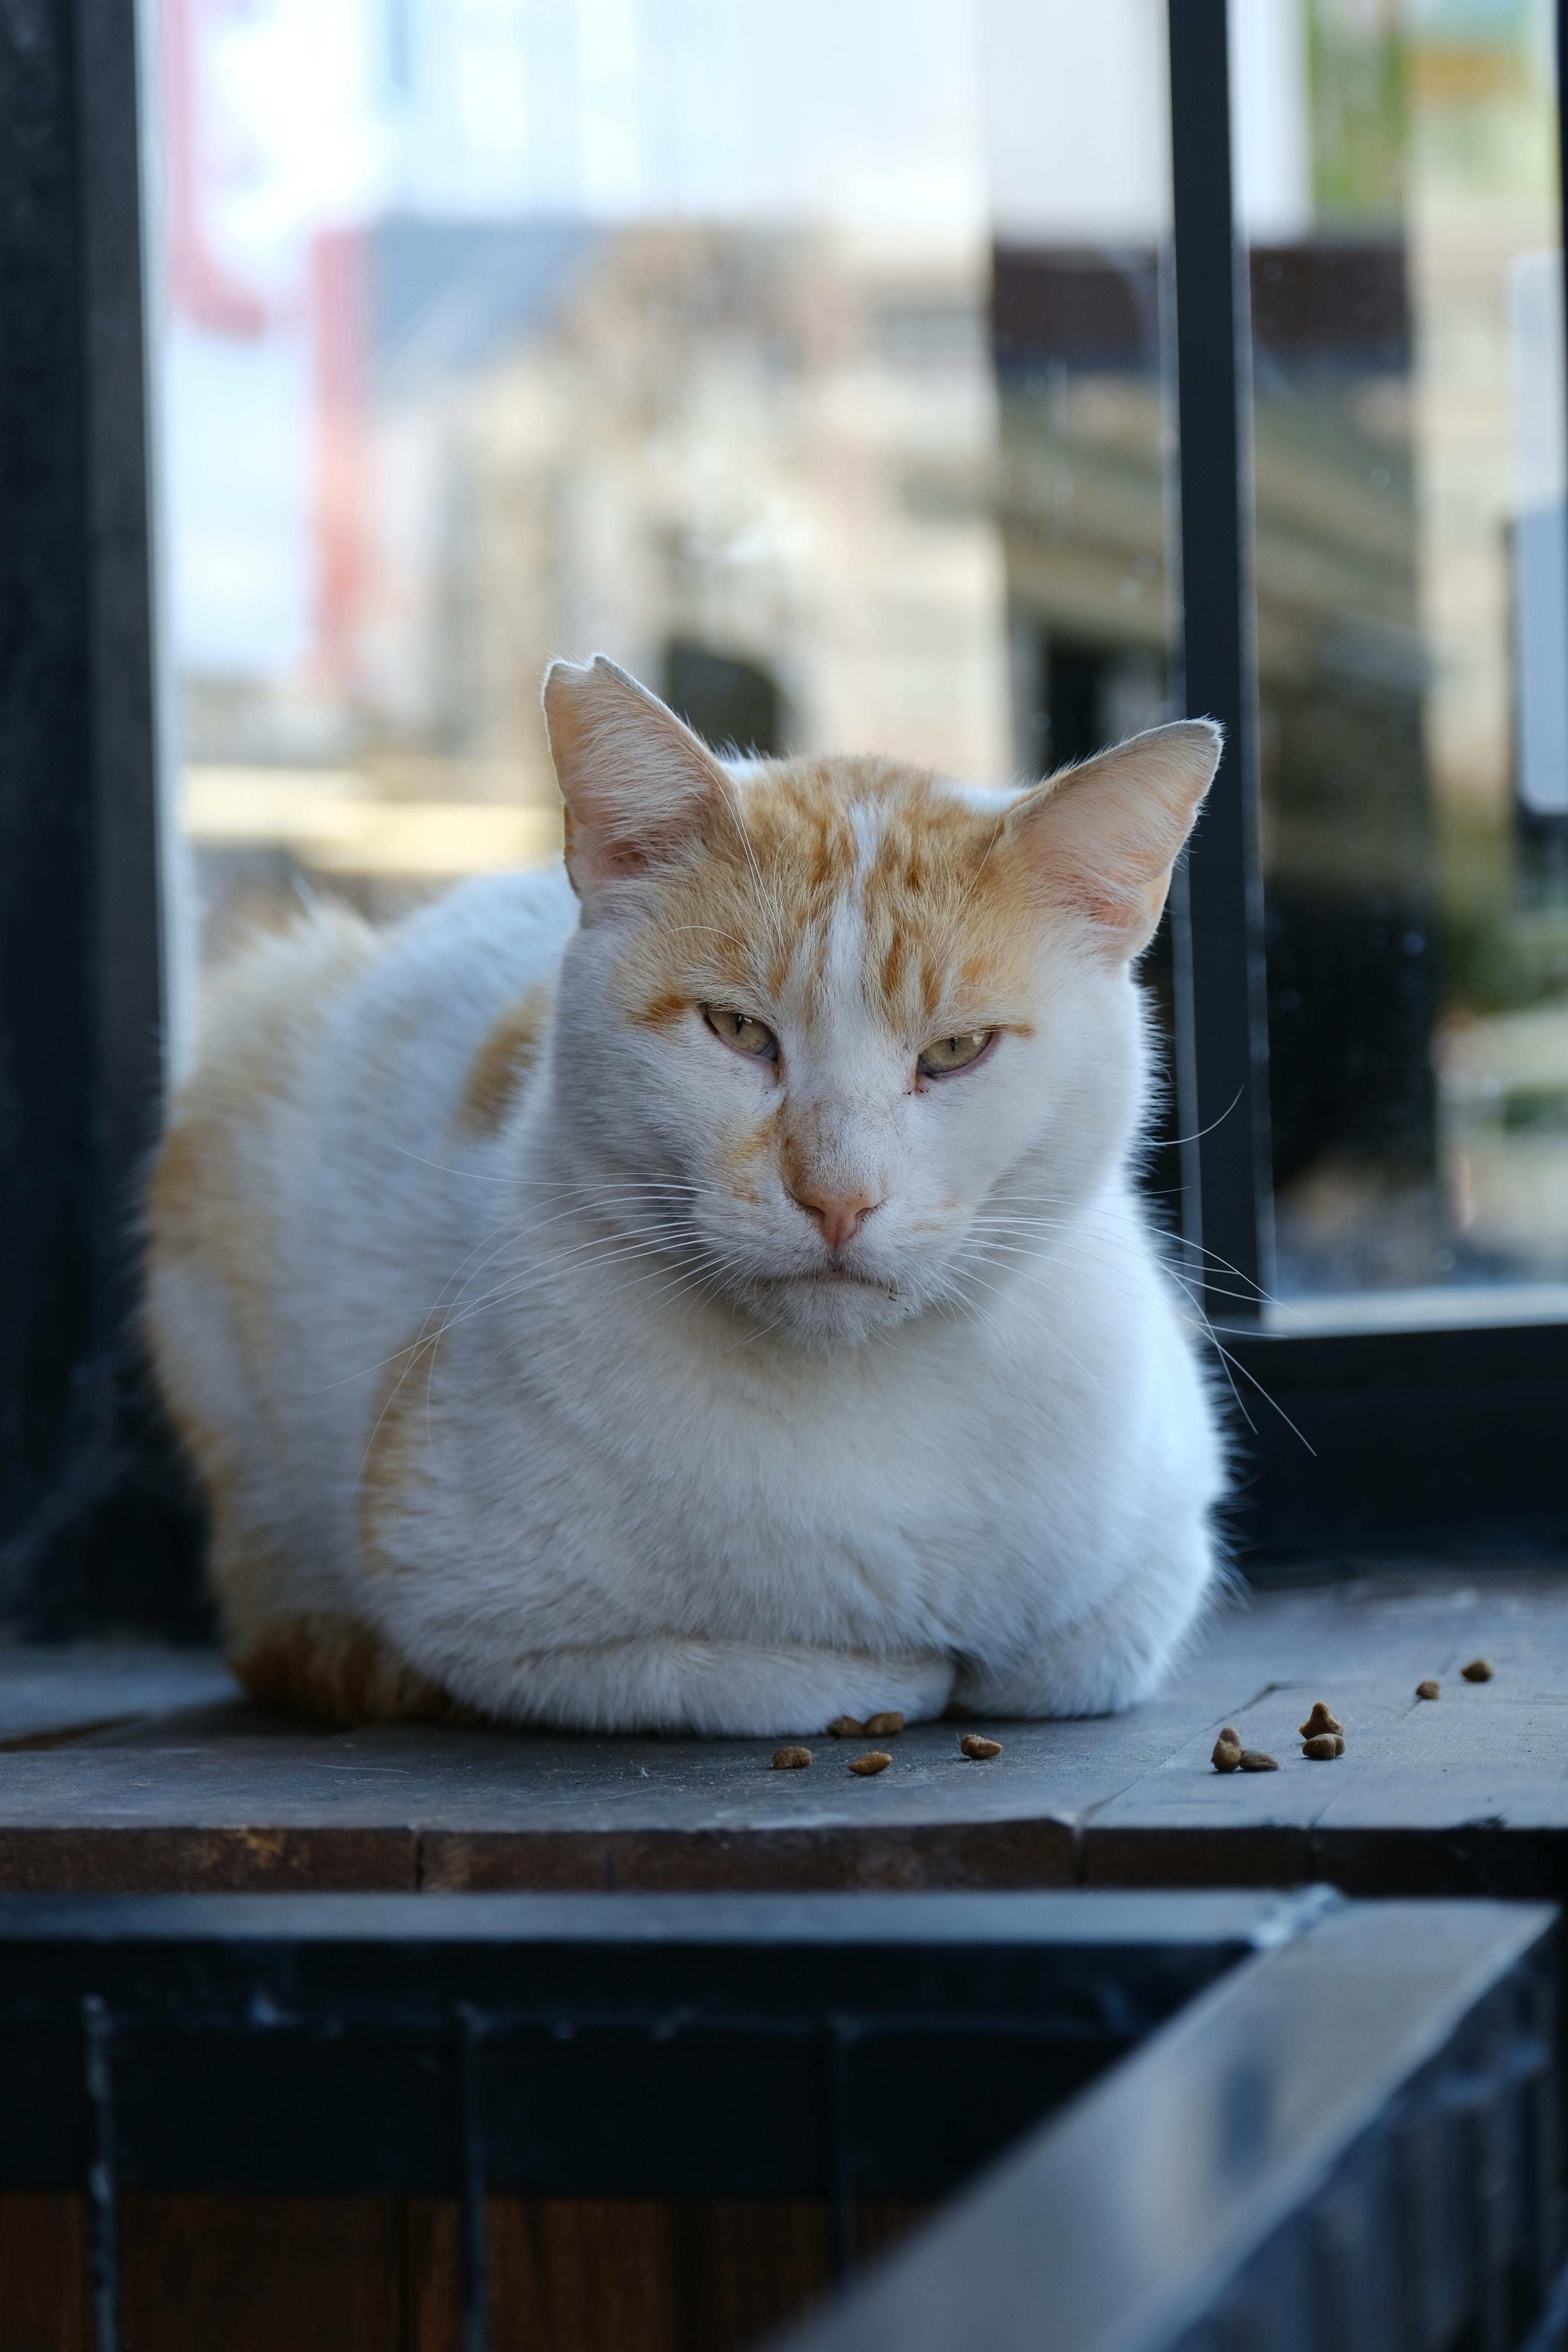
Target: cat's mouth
{"points": [[827, 1304], [835, 1275]]}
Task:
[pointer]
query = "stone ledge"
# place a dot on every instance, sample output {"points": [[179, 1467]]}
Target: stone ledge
{"points": [[138, 1769]]}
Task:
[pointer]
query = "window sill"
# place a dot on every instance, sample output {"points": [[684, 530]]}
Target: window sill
{"points": [[135, 1769]]}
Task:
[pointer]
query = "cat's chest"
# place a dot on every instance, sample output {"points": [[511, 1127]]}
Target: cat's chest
{"points": [[834, 1504]]}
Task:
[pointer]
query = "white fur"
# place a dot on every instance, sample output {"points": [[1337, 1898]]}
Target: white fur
{"points": [[671, 1471]]}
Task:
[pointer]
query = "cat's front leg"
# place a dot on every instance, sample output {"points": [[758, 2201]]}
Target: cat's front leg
{"points": [[724, 1689], [1109, 1659]]}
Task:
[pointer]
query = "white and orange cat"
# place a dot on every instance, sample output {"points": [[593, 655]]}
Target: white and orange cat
{"points": [[702, 1290]]}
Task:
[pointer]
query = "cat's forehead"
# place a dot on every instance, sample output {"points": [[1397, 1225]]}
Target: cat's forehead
{"points": [[856, 878], [866, 825]]}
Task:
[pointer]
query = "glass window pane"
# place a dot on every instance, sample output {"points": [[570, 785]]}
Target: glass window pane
{"points": [[1078, 139], [807, 361], [499, 329], [1398, 185]]}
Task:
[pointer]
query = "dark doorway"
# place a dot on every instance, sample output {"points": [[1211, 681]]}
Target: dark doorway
{"points": [[733, 705]]}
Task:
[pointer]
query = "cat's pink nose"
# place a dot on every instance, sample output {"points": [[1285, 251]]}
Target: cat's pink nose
{"points": [[839, 1215]]}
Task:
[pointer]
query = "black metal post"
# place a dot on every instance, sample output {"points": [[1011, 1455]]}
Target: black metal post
{"points": [[1219, 974], [81, 1014], [102, 2184], [473, 2225], [841, 2152], [1560, 64]]}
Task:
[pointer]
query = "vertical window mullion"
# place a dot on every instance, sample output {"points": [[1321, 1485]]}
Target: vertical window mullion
{"points": [[1559, 66], [81, 1010], [1218, 976], [131, 1008]]}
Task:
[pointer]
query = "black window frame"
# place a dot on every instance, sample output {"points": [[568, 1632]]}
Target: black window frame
{"points": [[1450, 1438], [1446, 1439]]}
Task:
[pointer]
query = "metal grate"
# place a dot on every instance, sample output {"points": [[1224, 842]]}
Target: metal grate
{"points": [[1222, 2108]]}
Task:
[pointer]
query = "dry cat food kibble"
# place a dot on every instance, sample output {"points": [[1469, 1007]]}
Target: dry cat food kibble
{"points": [[847, 1727], [1319, 1721], [878, 1761], [1227, 1749], [880, 1726], [1323, 1745], [1253, 1759], [791, 1760], [979, 1749], [1478, 1671], [1427, 1689]]}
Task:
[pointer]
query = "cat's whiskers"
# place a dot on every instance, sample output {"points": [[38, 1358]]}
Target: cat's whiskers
{"points": [[485, 1363], [429, 1341], [514, 1238], [518, 1233], [1134, 1254], [1174, 1242], [430, 1345], [1187, 1284], [650, 1240], [1136, 1244]]}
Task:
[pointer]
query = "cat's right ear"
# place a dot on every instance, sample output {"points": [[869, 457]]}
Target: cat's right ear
{"points": [[637, 783]]}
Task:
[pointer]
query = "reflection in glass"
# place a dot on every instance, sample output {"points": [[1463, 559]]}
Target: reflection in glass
{"points": [[507, 327], [1412, 603], [810, 362]]}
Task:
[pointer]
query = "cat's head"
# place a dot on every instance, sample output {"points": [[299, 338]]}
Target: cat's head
{"points": [[851, 1035]]}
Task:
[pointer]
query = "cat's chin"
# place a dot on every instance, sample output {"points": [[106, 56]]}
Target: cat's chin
{"points": [[826, 1309]]}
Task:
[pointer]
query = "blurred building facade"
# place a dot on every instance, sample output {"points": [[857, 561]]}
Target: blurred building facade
{"points": [[813, 366]]}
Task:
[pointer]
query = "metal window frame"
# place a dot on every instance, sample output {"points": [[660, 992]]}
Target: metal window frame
{"points": [[1446, 1439], [93, 1524], [1444, 1436]]}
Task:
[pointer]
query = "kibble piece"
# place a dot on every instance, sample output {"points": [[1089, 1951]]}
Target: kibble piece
{"points": [[1319, 1720], [1478, 1671], [791, 1760], [978, 1748], [876, 1762], [1429, 1689], [1253, 1759], [880, 1726], [1323, 1745], [847, 1727], [1339, 1743], [1227, 1754]]}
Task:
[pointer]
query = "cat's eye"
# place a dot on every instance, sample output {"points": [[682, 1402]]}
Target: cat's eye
{"points": [[740, 1031], [946, 1055]]}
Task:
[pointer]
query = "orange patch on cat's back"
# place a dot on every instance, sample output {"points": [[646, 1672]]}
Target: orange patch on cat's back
{"points": [[400, 1428], [175, 1187], [212, 1213], [506, 1054], [333, 1669]]}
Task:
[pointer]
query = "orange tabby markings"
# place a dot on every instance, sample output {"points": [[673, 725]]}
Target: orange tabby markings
{"points": [[947, 905], [336, 1670], [738, 1155], [209, 1203], [502, 1062], [401, 1426]]}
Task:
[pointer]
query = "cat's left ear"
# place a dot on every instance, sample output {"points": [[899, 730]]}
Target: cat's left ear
{"points": [[637, 783], [1100, 839]]}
